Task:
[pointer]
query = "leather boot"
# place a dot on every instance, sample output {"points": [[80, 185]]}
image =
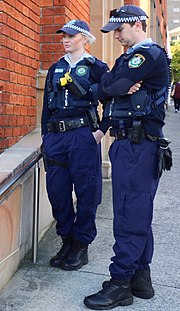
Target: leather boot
{"points": [[63, 252], [77, 257], [116, 293], [141, 285]]}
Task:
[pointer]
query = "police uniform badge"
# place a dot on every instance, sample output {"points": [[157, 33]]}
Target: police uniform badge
{"points": [[81, 71], [136, 61]]}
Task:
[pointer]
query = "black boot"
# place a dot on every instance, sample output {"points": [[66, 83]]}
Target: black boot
{"points": [[77, 257], [63, 253], [116, 293], [141, 284]]}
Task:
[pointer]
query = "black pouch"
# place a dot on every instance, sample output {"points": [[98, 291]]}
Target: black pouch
{"points": [[44, 157], [139, 103], [92, 119], [165, 161]]}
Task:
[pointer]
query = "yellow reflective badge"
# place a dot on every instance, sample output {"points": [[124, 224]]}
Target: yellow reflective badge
{"points": [[136, 61]]}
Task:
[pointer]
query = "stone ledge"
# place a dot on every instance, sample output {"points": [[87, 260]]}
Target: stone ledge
{"points": [[19, 155]]}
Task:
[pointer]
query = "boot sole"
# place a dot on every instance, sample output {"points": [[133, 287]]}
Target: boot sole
{"points": [[122, 303], [63, 267], [54, 265]]}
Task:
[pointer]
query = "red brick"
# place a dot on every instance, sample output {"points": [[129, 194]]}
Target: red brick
{"points": [[23, 111], [13, 77], [12, 141], [9, 109], [16, 110], [8, 131], [45, 3], [5, 52], [13, 120], [5, 75], [16, 131], [3, 145], [4, 120], [2, 133], [2, 108], [46, 57], [20, 120], [46, 20], [53, 11], [51, 47]]}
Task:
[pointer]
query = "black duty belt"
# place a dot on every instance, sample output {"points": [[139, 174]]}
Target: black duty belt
{"points": [[120, 134], [66, 125]]}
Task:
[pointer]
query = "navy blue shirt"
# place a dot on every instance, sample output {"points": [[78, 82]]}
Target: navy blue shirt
{"points": [[97, 69], [148, 64]]}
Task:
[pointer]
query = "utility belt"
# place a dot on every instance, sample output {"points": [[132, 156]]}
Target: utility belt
{"points": [[124, 133], [135, 133], [66, 125]]}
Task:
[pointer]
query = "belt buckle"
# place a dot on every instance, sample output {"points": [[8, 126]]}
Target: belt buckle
{"points": [[62, 127], [121, 134]]}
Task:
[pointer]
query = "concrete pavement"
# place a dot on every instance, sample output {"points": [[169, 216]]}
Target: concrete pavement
{"points": [[36, 287]]}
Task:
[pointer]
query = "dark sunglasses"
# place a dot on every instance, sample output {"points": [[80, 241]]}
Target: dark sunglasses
{"points": [[117, 13]]}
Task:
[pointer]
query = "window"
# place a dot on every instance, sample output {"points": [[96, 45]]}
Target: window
{"points": [[175, 21], [176, 10], [173, 37]]}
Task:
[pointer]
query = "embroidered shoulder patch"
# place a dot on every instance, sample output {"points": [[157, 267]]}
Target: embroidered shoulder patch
{"points": [[81, 70], [136, 61]]}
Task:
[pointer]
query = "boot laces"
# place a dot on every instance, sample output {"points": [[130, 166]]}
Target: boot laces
{"points": [[76, 251]]}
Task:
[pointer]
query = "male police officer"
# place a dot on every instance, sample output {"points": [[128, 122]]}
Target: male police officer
{"points": [[136, 124]]}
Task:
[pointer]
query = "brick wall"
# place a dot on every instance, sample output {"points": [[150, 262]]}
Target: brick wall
{"points": [[54, 14], [161, 11], [134, 2], [29, 44], [19, 64]]}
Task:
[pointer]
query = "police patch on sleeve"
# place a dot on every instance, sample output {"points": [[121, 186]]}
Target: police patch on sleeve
{"points": [[136, 61], [81, 71]]}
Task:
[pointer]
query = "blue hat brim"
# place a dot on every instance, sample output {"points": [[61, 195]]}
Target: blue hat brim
{"points": [[110, 27], [67, 30]]}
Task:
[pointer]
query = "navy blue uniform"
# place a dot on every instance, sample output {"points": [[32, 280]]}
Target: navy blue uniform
{"points": [[134, 163], [67, 124]]}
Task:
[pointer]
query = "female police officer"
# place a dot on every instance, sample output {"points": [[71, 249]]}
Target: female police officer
{"points": [[137, 122], [71, 134]]}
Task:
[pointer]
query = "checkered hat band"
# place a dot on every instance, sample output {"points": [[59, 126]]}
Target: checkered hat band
{"points": [[77, 28], [128, 19]]}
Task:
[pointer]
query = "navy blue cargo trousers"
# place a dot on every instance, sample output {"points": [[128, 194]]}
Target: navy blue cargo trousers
{"points": [[134, 181], [80, 151]]}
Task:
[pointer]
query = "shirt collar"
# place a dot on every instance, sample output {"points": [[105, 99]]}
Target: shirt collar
{"points": [[136, 46], [84, 55]]}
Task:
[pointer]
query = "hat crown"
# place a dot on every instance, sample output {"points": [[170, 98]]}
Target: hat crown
{"points": [[77, 24], [125, 14], [129, 10]]}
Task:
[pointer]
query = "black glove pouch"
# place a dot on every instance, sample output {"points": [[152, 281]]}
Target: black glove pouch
{"points": [[164, 160]]}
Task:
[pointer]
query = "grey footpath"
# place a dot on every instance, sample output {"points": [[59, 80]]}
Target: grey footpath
{"points": [[36, 287]]}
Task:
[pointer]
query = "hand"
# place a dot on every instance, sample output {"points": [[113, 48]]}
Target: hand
{"points": [[98, 135], [134, 88]]}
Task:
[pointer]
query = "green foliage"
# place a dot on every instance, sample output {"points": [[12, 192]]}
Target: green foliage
{"points": [[175, 65]]}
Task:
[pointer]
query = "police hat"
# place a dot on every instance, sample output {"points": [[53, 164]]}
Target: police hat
{"points": [[74, 27], [125, 14]]}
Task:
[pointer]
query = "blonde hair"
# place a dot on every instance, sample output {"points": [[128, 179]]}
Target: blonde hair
{"points": [[91, 38]]}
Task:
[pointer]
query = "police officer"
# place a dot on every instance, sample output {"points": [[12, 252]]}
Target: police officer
{"points": [[136, 124], [71, 150]]}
